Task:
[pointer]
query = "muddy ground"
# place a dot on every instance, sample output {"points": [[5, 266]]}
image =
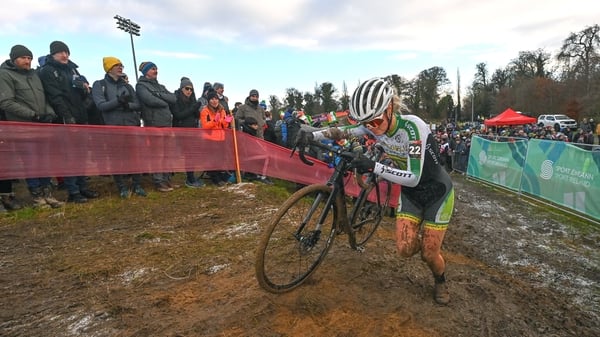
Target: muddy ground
{"points": [[182, 264]]}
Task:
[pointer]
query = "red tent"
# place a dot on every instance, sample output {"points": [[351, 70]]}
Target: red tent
{"points": [[509, 117]]}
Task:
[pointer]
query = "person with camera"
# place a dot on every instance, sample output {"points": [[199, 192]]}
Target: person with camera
{"points": [[116, 100], [22, 99], [67, 92], [427, 198]]}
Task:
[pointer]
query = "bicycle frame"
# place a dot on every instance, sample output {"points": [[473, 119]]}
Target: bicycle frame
{"points": [[304, 227]]}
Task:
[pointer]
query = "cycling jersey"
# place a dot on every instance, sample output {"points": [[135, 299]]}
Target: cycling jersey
{"points": [[427, 191]]}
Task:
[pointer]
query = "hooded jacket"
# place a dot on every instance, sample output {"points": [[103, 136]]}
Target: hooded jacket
{"points": [[252, 109], [22, 97], [65, 90]]}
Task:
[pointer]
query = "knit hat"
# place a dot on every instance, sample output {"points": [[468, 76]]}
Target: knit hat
{"points": [[211, 94], [250, 120], [218, 85], [57, 47], [207, 86], [18, 51], [263, 104], [145, 66], [253, 92], [185, 82], [109, 62]]}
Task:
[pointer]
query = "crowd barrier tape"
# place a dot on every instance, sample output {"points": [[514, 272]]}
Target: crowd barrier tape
{"points": [[56, 150], [559, 172]]}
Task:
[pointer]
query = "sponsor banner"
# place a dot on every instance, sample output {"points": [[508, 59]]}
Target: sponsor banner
{"points": [[564, 174], [498, 162]]}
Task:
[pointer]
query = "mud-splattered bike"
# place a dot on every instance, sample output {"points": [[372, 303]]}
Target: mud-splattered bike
{"points": [[300, 234]]}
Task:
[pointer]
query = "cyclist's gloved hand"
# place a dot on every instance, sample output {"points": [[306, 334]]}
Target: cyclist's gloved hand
{"points": [[303, 138], [362, 164]]}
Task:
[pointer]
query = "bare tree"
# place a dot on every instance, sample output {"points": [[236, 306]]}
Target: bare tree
{"points": [[580, 55]]}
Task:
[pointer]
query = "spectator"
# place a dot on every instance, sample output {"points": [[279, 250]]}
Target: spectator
{"points": [[290, 128], [445, 158], [7, 197], [155, 102], [202, 99], [461, 155], [214, 117], [67, 92], [269, 130], [250, 127], [186, 115], [119, 105], [251, 109], [585, 125], [235, 108], [22, 99], [224, 100]]}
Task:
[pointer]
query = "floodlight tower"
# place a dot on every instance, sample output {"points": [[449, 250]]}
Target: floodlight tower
{"points": [[133, 29]]}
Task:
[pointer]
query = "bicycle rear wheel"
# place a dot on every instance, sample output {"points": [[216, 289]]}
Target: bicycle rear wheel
{"points": [[293, 245], [367, 214]]}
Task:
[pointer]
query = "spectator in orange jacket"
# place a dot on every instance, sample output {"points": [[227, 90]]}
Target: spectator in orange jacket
{"points": [[213, 116]]}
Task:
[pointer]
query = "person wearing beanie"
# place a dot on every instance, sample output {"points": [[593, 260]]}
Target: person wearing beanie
{"points": [[251, 108], [214, 117], [224, 100], [109, 62], [186, 114], [156, 102], [19, 51], [117, 102], [212, 94], [21, 105], [69, 94], [145, 67], [58, 47], [252, 121]]}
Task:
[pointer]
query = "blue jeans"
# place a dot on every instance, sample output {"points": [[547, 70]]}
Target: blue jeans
{"points": [[75, 185], [36, 183]]}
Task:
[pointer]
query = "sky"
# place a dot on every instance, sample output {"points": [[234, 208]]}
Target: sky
{"points": [[273, 45]]}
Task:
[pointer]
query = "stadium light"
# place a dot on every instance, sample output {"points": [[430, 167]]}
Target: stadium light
{"points": [[132, 28]]}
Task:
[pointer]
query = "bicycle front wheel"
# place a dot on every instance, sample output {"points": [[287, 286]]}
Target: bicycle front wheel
{"points": [[368, 210], [296, 240]]}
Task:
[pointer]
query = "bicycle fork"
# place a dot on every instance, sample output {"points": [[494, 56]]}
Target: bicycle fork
{"points": [[310, 239]]}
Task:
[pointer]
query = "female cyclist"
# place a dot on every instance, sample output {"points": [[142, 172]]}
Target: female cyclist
{"points": [[426, 202]]}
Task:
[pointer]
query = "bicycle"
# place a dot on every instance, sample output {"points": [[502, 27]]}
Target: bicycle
{"points": [[303, 229]]}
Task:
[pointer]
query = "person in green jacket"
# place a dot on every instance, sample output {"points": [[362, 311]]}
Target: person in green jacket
{"points": [[22, 99]]}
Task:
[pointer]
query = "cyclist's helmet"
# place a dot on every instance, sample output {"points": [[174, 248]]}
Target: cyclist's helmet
{"points": [[370, 100]]}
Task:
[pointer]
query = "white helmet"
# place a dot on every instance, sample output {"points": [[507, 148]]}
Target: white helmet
{"points": [[370, 99]]}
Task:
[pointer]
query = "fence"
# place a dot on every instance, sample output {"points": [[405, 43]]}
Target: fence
{"points": [[563, 173]]}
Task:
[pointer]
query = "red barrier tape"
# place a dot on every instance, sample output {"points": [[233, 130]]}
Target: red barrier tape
{"points": [[56, 150]]}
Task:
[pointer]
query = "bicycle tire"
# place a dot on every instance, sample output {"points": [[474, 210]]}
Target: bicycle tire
{"points": [[366, 215], [285, 260]]}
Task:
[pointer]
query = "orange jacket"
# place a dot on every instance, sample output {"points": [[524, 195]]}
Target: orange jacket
{"points": [[214, 118]]}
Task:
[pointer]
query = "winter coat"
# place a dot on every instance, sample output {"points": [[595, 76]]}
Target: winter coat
{"points": [[65, 91], [214, 118], [22, 97], [155, 102], [186, 111], [106, 93], [252, 109]]}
